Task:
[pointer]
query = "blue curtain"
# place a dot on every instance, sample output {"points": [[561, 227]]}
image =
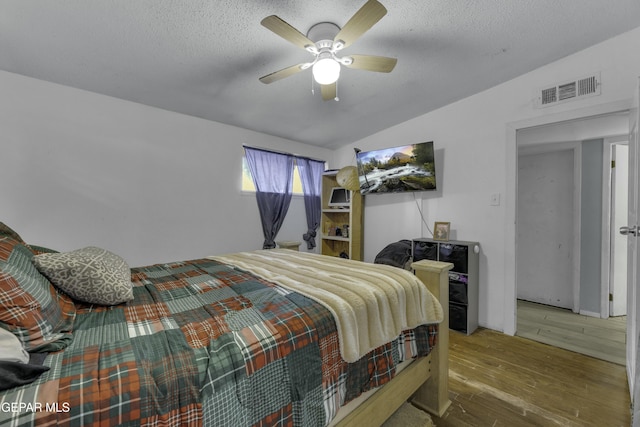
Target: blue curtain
{"points": [[311, 176], [273, 177]]}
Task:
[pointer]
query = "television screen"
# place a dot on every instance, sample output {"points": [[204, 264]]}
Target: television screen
{"points": [[397, 169], [339, 197]]}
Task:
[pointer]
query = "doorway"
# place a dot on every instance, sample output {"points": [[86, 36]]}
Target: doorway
{"points": [[555, 170]]}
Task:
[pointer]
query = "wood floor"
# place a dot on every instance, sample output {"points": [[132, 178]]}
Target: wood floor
{"points": [[601, 338], [500, 380]]}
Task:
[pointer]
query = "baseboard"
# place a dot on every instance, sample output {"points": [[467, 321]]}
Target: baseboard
{"points": [[589, 313]]}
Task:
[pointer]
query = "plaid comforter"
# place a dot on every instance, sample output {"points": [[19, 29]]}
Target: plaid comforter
{"points": [[204, 343]]}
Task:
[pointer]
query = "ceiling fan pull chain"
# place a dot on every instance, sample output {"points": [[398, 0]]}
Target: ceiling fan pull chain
{"points": [[336, 98], [313, 91]]}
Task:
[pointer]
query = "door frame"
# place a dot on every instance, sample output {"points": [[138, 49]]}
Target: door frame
{"points": [[511, 168]]}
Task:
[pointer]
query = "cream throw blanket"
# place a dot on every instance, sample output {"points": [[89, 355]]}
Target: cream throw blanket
{"points": [[371, 303]]}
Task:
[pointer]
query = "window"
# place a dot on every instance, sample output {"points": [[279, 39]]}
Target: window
{"points": [[247, 181]]}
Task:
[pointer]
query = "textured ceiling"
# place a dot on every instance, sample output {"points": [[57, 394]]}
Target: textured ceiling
{"points": [[204, 58]]}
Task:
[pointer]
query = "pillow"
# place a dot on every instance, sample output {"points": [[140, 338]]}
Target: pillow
{"points": [[37, 250], [397, 254], [30, 307], [14, 374], [12, 350], [5, 230], [92, 275]]}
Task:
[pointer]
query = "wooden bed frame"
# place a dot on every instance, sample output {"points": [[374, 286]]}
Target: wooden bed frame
{"points": [[424, 382]]}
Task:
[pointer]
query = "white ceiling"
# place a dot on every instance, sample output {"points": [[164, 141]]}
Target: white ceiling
{"points": [[204, 57]]}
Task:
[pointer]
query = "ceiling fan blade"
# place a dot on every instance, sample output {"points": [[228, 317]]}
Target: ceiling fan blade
{"points": [[365, 18], [286, 31], [281, 74], [329, 92], [380, 64]]}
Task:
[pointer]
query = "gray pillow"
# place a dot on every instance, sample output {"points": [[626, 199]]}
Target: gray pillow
{"points": [[92, 275], [12, 350]]}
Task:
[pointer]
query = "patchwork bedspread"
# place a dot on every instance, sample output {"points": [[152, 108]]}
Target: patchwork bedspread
{"points": [[204, 343], [379, 299]]}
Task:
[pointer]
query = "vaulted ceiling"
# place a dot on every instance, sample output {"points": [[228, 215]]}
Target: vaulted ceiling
{"points": [[204, 57]]}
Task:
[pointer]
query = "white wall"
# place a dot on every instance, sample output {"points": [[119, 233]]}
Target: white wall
{"points": [[475, 162], [79, 168], [591, 223]]}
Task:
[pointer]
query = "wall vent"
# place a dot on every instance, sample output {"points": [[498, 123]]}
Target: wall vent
{"points": [[568, 91]]}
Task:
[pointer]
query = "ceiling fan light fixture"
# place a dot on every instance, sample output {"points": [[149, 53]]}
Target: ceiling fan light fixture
{"points": [[324, 40], [326, 70]]}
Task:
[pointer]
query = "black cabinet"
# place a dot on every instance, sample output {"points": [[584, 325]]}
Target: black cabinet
{"points": [[463, 277]]}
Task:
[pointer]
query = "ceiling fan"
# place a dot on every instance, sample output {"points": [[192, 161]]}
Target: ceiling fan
{"points": [[324, 41]]}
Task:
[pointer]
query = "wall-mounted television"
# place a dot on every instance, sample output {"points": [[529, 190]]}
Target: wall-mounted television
{"points": [[340, 198], [397, 169]]}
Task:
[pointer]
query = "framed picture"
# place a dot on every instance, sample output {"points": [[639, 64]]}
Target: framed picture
{"points": [[441, 231]]}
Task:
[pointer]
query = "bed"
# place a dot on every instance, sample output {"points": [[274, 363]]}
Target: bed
{"points": [[254, 338]]}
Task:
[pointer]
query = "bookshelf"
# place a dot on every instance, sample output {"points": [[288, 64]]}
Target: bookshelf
{"points": [[338, 240]]}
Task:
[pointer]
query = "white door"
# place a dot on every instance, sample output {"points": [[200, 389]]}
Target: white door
{"points": [[619, 210], [632, 250]]}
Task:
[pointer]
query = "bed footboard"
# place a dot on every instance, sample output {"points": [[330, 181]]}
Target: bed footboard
{"points": [[425, 381], [433, 395], [384, 402]]}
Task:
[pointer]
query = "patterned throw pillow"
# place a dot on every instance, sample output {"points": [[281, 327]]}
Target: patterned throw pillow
{"points": [[92, 275], [30, 307]]}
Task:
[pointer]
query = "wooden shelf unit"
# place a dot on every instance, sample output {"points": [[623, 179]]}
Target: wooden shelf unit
{"points": [[333, 218]]}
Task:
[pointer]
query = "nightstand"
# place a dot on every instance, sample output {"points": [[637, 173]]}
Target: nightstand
{"points": [[294, 246]]}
